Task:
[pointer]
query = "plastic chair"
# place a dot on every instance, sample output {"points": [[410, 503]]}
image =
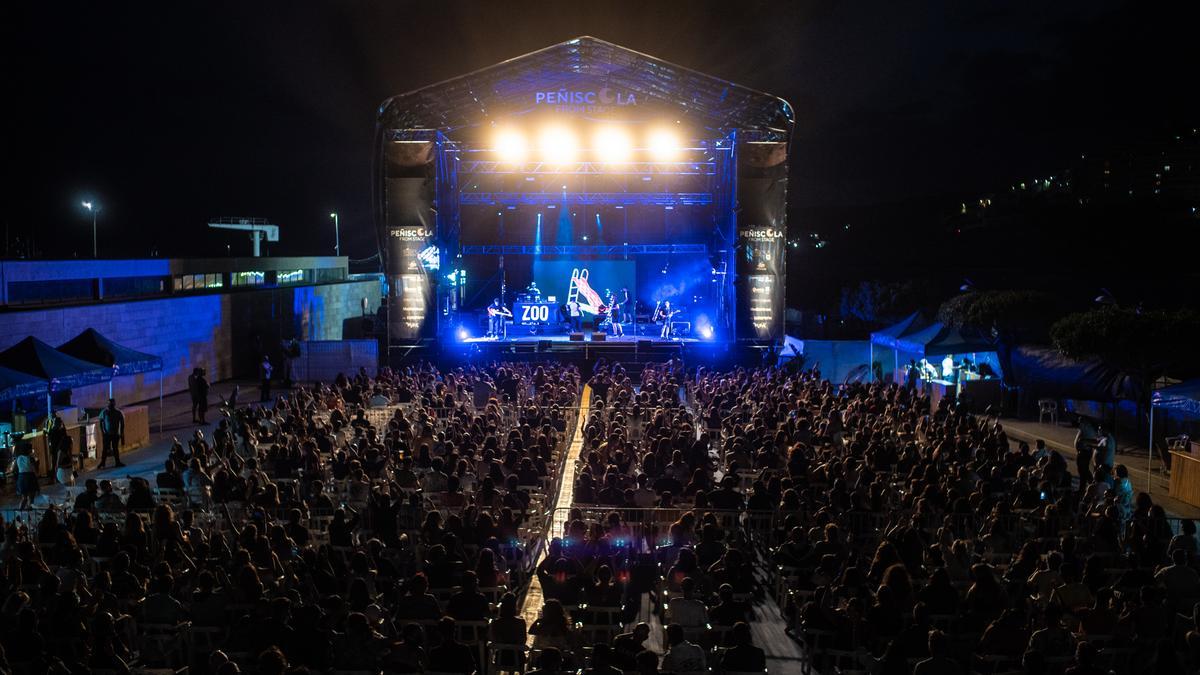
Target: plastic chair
{"points": [[506, 658], [1047, 407]]}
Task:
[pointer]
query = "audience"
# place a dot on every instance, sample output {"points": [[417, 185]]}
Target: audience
{"points": [[395, 523]]}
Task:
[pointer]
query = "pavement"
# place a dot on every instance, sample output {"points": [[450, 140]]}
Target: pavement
{"points": [[1147, 476], [146, 461]]}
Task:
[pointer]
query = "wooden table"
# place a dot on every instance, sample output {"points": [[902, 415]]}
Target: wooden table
{"points": [[1185, 477]]}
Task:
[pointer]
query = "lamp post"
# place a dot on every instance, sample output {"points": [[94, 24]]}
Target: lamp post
{"points": [[337, 241], [95, 210]]}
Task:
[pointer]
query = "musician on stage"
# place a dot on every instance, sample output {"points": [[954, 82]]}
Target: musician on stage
{"points": [[614, 313], [665, 314], [534, 293], [496, 315]]}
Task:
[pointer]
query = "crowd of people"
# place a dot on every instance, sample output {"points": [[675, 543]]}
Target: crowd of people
{"points": [[365, 525], [894, 537], [400, 523]]}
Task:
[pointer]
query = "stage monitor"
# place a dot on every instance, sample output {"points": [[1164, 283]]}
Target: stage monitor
{"points": [[593, 278]]}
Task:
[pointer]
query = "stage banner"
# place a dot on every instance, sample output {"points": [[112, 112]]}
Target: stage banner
{"points": [[760, 251], [760, 307], [760, 258], [410, 243]]}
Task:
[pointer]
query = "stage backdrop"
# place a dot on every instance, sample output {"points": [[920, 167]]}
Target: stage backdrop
{"points": [[553, 277]]}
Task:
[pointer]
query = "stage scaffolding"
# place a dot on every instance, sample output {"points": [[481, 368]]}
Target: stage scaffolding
{"points": [[436, 167]]}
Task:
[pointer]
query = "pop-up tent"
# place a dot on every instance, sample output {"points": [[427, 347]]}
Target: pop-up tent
{"points": [[1182, 399], [34, 357], [940, 339], [15, 384], [94, 347], [887, 337]]}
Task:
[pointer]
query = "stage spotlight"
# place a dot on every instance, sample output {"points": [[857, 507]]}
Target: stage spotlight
{"points": [[558, 145], [462, 334], [511, 146], [613, 145], [663, 145], [706, 332]]}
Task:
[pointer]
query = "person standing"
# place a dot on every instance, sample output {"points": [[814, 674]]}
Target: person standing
{"points": [[27, 480], [575, 313], [112, 432], [64, 463], [194, 394], [264, 373], [202, 385], [665, 315]]}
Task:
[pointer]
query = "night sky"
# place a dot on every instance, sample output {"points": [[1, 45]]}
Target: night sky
{"points": [[168, 116]]}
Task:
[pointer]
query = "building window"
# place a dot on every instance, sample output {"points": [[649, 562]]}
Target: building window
{"points": [[133, 287], [291, 277], [51, 291], [328, 274], [248, 278], [198, 282]]}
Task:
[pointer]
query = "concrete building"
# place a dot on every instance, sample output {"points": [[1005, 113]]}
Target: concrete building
{"points": [[218, 313]]}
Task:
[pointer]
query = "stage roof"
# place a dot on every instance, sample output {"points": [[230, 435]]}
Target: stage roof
{"points": [[596, 75]]}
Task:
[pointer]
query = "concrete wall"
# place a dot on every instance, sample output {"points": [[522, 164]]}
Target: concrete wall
{"points": [[223, 333]]}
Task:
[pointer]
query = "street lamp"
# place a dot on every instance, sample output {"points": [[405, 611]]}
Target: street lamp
{"points": [[95, 210], [337, 241]]}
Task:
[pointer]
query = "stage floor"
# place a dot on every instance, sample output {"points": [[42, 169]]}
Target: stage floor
{"points": [[587, 337]]}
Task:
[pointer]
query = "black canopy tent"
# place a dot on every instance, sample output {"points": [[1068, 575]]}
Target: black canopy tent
{"points": [[887, 337], [15, 384], [94, 347], [61, 371]]}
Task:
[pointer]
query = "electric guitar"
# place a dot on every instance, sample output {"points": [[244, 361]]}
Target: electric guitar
{"points": [[664, 317], [499, 311]]}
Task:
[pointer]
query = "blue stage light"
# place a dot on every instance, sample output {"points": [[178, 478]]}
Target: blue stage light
{"points": [[706, 332], [463, 334]]}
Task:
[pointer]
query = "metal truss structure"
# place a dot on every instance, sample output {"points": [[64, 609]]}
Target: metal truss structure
{"points": [[601, 250], [585, 198], [481, 166], [701, 100]]}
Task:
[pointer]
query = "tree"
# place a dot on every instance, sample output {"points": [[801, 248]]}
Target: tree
{"points": [[876, 302], [1146, 344], [1010, 316]]}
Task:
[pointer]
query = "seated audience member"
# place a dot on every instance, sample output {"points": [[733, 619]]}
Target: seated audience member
{"points": [[683, 657], [743, 656]]}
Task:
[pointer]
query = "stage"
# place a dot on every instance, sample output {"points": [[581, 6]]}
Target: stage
{"points": [[640, 340], [583, 180]]}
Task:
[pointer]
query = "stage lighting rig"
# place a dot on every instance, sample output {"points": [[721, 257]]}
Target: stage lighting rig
{"points": [[663, 145], [558, 145], [511, 146], [612, 145]]}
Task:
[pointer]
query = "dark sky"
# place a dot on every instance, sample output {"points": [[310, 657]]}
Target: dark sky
{"points": [[169, 113]]}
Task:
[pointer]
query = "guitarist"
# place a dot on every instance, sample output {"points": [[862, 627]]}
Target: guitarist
{"points": [[497, 313], [665, 314]]}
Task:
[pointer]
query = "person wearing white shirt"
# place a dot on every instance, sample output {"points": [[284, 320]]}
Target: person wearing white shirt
{"points": [[687, 610], [683, 657]]}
